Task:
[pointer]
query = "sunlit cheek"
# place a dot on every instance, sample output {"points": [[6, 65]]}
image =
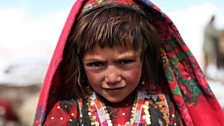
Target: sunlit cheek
{"points": [[94, 78], [133, 76]]}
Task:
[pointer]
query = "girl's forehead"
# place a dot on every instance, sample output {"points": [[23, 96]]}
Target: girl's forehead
{"points": [[115, 49]]}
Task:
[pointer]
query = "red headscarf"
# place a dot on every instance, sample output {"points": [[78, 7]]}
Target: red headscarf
{"points": [[188, 85]]}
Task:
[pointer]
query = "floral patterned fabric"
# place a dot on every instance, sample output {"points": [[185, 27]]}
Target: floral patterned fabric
{"points": [[188, 87]]}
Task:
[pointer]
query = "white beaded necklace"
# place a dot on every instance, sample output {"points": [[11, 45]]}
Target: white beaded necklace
{"points": [[99, 115]]}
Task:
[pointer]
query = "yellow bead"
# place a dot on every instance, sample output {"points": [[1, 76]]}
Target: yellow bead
{"points": [[94, 118]]}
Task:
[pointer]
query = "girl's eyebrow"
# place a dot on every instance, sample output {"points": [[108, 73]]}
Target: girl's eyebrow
{"points": [[98, 58], [93, 58], [128, 55]]}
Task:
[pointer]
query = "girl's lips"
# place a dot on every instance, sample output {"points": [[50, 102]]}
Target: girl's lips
{"points": [[114, 90]]}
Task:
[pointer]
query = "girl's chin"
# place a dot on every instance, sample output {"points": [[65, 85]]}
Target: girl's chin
{"points": [[120, 100]]}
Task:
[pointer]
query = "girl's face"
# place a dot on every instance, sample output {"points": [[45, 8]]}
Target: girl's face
{"points": [[113, 73]]}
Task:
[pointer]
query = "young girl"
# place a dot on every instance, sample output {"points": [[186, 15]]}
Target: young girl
{"points": [[123, 62]]}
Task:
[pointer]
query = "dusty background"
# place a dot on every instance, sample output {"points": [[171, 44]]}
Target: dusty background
{"points": [[23, 100]]}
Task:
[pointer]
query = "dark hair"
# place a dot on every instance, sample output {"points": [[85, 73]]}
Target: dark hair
{"points": [[109, 26]]}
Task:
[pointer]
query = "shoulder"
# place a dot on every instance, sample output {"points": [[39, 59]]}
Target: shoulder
{"points": [[63, 112], [160, 98]]}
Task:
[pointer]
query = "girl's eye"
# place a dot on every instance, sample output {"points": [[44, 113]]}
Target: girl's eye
{"points": [[95, 64], [126, 61]]}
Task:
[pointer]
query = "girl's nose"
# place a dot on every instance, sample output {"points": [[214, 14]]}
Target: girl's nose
{"points": [[113, 75]]}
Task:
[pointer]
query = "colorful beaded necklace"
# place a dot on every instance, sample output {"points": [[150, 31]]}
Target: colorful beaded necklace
{"points": [[139, 114]]}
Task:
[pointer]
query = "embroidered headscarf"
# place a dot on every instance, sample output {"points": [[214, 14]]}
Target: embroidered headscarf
{"points": [[187, 84]]}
